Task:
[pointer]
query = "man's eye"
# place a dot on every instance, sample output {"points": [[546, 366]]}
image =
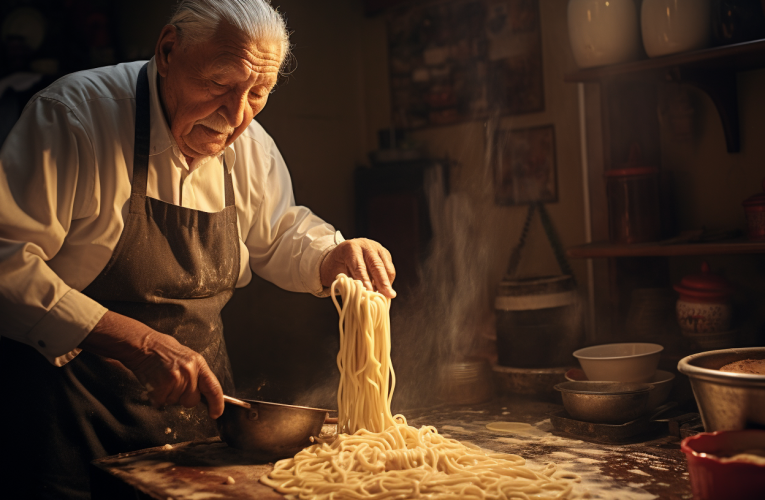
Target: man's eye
{"points": [[219, 85]]}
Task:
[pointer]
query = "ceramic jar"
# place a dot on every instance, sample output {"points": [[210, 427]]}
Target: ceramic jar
{"points": [[755, 215], [704, 305], [671, 26], [603, 31]]}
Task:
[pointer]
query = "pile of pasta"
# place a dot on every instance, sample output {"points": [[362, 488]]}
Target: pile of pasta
{"points": [[376, 455]]}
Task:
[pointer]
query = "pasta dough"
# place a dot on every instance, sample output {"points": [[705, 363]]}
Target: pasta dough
{"points": [[377, 455]]}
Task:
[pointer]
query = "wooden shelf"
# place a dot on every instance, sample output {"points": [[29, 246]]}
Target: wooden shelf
{"points": [[711, 70], [660, 249], [736, 57]]}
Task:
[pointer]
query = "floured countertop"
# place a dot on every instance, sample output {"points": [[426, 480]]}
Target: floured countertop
{"points": [[655, 469], [201, 470]]}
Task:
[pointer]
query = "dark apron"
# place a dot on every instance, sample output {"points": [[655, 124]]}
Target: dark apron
{"points": [[173, 269]]}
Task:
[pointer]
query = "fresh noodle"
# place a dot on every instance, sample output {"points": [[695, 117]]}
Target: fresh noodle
{"points": [[377, 455]]}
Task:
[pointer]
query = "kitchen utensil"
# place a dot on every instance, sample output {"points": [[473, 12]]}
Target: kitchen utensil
{"points": [[755, 214], [633, 204], [625, 362], [716, 479], [605, 402], [727, 401], [704, 304], [671, 26], [270, 430], [603, 32], [532, 315], [629, 432], [661, 381]]}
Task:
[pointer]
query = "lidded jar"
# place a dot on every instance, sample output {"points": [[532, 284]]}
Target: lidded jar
{"points": [[704, 305], [755, 215]]}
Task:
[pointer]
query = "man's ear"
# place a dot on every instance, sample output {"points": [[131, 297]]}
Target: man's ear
{"points": [[167, 42]]}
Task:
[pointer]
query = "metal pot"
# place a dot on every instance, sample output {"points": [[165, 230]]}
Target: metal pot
{"points": [[727, 401], [605, 402], [270, 430]]}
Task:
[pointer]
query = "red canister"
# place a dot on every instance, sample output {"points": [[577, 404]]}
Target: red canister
{"points": [[755, 215], [633, 204]]}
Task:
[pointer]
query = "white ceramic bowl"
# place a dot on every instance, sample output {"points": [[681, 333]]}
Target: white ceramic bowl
{"points": [[626, 362], [671, 26]]}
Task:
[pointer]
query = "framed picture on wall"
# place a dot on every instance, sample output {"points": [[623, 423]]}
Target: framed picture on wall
{"points": [[453, 61], [525, 166]]}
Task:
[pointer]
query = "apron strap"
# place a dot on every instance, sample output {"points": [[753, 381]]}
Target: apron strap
{"points": [[229, 185], [142, 135]]}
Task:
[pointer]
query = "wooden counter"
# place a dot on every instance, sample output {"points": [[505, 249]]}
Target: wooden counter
{"points": [[198, 470]]}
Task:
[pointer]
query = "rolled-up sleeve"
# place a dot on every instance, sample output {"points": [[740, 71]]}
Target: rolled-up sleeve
{"points": [[287, 242], [46, 180]]}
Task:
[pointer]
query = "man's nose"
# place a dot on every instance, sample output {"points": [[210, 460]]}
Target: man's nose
{"points": [[234, 108]]}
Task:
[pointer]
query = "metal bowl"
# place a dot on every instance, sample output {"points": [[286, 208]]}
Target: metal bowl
{"points": [[727, 401], [270, 430], [662, 385], [605, 402]]}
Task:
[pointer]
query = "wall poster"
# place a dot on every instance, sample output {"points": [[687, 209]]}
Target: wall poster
{"points": [[458, 60], [525, 168]]}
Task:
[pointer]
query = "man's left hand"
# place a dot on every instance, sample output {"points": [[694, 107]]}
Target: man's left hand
{"points": [[363, 260]]}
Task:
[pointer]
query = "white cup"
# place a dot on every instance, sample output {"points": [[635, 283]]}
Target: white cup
{"points": [[671, 26], [603, 31]]}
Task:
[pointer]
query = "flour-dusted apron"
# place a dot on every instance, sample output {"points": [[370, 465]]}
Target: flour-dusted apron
{"points": [[173, 269]]}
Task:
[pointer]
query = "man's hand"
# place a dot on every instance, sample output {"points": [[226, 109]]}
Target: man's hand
{"points": [[363, 260], [171, 372]]}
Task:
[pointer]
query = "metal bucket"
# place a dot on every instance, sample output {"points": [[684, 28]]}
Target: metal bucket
{"points": [[539, 323]]}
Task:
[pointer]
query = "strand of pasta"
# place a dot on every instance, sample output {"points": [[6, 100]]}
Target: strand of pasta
{"points": [[377, 455]]}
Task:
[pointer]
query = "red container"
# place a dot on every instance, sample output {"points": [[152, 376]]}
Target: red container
{"points": [[714, 479], [633, 204], [755, 215]]}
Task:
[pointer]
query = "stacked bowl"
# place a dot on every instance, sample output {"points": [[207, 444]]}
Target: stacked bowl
{"points": [[618, 382]]}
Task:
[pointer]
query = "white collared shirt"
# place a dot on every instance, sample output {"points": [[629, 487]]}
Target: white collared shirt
{"points": [[65, 181]]}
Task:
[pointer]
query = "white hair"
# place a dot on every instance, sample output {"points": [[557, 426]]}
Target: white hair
{"points": [[197, 20]]}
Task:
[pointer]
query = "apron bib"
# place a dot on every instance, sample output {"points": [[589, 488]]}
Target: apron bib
{"points": [[173, 269]]}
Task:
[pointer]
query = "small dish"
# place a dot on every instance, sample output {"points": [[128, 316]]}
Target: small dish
{"points": [[714, 476], [625, 362]]}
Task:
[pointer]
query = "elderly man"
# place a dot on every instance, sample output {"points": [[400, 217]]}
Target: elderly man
{"points": [[133, 200]]}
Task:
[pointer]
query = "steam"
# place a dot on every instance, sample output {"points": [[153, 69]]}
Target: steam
{"points": [[450, 315]]}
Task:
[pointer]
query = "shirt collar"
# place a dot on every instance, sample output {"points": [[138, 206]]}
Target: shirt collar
{"points": [[161, 138]]}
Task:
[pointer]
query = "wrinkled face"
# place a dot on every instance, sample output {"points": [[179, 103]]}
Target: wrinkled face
{"points": [[211, 91]]}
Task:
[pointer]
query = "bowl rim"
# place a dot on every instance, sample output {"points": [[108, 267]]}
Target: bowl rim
{"points": [[686, 367], [638, 387], [667, 377], [577, 354], [686, 447]]}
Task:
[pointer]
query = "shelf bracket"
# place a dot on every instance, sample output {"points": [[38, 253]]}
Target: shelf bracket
{"points": [[721, 87]]}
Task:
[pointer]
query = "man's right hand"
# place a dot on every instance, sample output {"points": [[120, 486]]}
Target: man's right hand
{"points": [[171, 372]]}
